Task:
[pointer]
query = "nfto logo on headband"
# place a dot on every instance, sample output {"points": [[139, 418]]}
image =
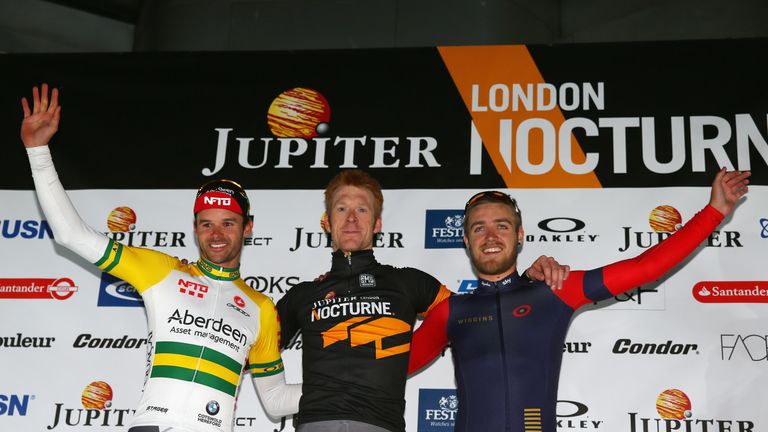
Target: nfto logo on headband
{"points": [[217, 201], [214, 200]]}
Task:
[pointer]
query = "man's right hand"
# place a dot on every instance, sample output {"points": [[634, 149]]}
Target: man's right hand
{"points": [[42, 122]]}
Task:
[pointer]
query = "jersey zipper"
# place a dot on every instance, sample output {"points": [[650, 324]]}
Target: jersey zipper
{"points": [[507, 425]]}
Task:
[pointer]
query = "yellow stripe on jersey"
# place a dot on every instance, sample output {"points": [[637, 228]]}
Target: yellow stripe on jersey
{"points": [[196, 363], [140, 267]]}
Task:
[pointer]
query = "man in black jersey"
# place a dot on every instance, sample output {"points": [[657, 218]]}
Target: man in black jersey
{"points": [[356, 321]]}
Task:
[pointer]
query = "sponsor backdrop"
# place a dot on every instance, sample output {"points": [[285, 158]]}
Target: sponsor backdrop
{"points": [[607, 148]]}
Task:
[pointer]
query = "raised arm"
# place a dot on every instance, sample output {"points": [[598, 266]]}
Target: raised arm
{"points": [[38, 127], [584, 287]]}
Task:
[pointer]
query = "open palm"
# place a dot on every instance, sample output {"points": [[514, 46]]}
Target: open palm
{"points": [[42, 121]]}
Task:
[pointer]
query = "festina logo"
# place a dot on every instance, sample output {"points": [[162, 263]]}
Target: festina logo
{"points": [[387, 152]]}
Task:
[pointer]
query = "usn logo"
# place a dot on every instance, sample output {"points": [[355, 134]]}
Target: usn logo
{"points": [[437, 410], [26, 229], [117, 292], [444, 229], [14, 405]]}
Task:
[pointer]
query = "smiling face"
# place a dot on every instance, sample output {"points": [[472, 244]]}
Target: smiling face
{"points": [[492, 239], [220, 235], [352, 219]]}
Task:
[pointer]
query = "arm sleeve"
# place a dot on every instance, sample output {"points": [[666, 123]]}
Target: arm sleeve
{"points": [[430, 338], [286, 317], [278, 398], [68, 228], [140, 267], [266, 367], [429, 291], [602, 283]]}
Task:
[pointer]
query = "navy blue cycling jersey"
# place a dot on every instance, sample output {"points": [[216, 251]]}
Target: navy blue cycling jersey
{"points": [[507, 336]]}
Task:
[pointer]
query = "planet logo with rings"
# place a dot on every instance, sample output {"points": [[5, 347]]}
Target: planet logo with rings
{"points": [[299, 113], [665, 218], [673, 404], [121, 219], [97, 395]]}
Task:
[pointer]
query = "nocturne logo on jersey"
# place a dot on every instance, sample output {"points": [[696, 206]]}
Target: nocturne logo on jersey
{"points": [[560, 229], [444, 229], [194, 289], [627, 346], [317, 239], [117, 292], [15, 405], [744, 347], [764, 228], [121, 223], [367, 280], [188, 323], [37, 288], [25, 229], [299, 119], [87, 340], [437, 410], [21, 341], [97, 410], [337, 307], [675, 412], [664, 220], [731, 292], [573, 416], [271, 284]]}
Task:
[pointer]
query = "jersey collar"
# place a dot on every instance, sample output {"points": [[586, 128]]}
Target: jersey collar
{"points": [[510, 281], [354, 261], [218, 272]]}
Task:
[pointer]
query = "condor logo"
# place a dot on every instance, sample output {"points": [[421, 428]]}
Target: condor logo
{"points": [[217, 201], [192, 288]]}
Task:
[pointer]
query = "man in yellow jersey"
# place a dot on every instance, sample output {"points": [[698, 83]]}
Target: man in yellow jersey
{"points": [[205, 324]]}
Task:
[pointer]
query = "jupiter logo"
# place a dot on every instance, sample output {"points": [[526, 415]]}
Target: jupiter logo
{"points": [[665, 219], [673, 404], [97, 395], [299, 112], [121, 219]]}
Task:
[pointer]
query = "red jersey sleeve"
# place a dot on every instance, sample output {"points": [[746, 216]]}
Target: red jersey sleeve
{"points": [[586, 287], [430, 338]]}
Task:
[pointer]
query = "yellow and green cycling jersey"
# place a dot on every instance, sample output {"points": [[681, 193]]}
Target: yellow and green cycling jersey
{"points": [[205, 327]]}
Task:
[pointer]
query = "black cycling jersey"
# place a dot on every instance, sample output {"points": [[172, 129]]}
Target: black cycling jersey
{"points": [[356, 328]]}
